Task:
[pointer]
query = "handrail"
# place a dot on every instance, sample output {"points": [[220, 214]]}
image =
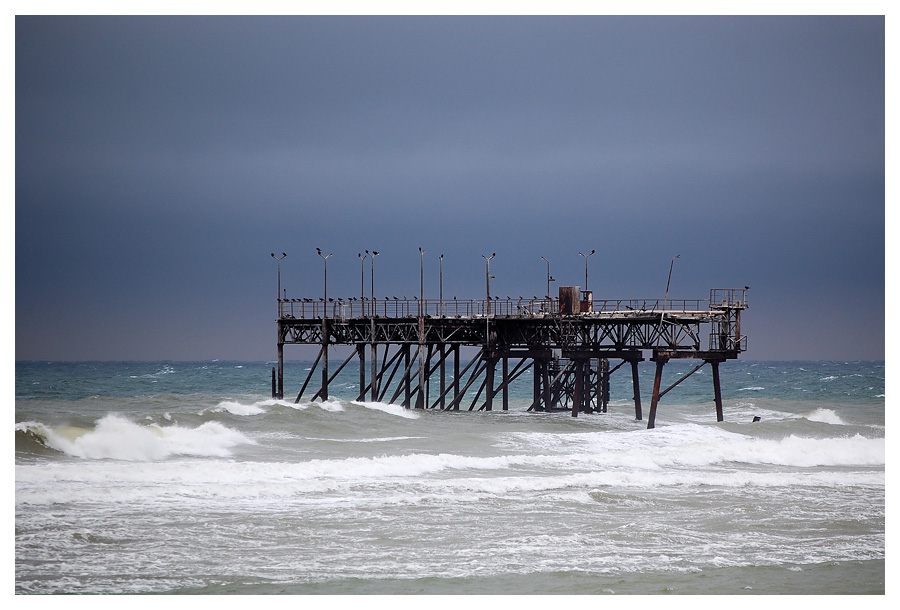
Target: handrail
{"points": [[509, 307]]}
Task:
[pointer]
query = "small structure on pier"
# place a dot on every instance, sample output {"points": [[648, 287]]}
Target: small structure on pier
{"points": [[568, 342]]}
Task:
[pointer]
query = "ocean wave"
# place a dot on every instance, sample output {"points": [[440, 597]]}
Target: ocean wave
{"points": [[115, 437], [237, 408], [825, 416], [442, 479], [398, 410], [698, 446]]}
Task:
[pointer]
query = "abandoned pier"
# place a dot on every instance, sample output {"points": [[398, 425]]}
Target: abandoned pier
{"points": [[408, 350]]}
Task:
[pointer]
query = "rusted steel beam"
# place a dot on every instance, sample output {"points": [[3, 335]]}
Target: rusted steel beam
{"points": [[654, 401], [335, 374], [323, 391], [512, 376], [308, 377], [395, 361], [717, 389], [636, 384], [455, 387], [682, 378]]}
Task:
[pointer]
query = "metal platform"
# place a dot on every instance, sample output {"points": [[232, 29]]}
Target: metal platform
{"points": [[567, 341]]}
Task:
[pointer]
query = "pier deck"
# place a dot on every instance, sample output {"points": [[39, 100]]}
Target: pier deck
{"points": [[567, 341]]}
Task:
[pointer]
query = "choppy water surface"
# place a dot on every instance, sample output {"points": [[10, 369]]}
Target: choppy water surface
{"points": [[187, 478]]}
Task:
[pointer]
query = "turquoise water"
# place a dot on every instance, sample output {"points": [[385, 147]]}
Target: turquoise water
{"points": [[186, 477]]}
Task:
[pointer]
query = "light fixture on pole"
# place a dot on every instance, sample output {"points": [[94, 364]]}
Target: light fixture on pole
{"points": [[586, 268], [325, 259], [441, 289], [372, 254], [549, 277], [421, 281], [278, 260], [487, 261], [362, 281], [671, 265]]}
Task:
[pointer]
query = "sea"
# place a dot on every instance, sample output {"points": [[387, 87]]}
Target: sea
{"points": [[189, 478]]}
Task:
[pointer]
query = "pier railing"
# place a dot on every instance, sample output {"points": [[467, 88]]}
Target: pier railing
{"points": [[470, 308]]}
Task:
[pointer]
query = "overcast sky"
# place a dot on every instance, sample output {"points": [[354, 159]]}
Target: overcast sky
{"points": [[159, 161]]}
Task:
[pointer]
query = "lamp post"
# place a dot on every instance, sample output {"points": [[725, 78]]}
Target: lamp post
{"points": [[421, 281], [325, 259], [372, 254], [278, 260], [549, 277], [362, 281], [671, 265], [441, 289], [586, 268], [487, 261]]}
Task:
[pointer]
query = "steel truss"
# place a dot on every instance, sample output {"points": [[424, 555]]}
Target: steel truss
{"points": [[569, 354]]}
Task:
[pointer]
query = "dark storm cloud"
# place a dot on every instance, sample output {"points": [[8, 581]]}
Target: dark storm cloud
{"points": [[160, 159]]}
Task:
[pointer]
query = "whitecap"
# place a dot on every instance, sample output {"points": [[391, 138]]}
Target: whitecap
{"points": [[388, 408], [825, 416], [115, 437], [236, 408]]}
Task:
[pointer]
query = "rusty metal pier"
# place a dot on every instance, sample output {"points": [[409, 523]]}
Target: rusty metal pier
{"points": [[569, 343]]}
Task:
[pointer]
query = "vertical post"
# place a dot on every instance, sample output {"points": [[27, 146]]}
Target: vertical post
{"points": [[456, 351], [324, 393], [420, 398], [407, 356], [549, 277], [586, 256], [361, 353], [536, 388], [717, 390], [660, 363], [636, 384], [489, 383], [548, 395], [443, 357], [505, 383], [280, 391], [578, 394], [487, 275], [374, 365], [603, 398]]}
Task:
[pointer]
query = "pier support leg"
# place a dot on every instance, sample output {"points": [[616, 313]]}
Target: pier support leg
{"points": [[407, 392], [443, 357], [603, 374], [548, 393], [361, 354], [660, 363], [489, 384], [456, 351], [505, 383], [420, 397], [374, 365], [280, 391], [636, 383], [536, 390], [717, 390], [578, 394], [324, 391]]}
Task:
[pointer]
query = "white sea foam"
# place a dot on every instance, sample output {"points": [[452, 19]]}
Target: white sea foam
{"points": [[236, 408], [331, 405], [691, 445], [115, 437], [826, 416], [388, 408]]}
